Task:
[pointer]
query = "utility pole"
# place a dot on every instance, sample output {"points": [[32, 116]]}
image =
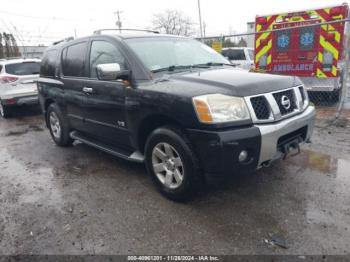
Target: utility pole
{"points": [[200, 19], [1, 47], [119, 22], [204, 28]]}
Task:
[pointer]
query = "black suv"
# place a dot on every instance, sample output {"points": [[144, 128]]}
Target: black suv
{"points": [[174, 104]]}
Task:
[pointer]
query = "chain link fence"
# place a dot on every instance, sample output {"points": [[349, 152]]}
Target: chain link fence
{"points": [[330, 95]]}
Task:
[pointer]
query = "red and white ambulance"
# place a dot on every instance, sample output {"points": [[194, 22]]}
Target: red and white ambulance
{"points": [[301, 47]]}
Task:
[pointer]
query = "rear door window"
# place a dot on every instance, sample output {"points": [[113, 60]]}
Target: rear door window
{"points": [[73, 60], [48, 64], [306, 39], [24, 68], [283, 40]]}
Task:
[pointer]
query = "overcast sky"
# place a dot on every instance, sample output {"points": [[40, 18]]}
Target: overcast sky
{"points": [[44, 21]]}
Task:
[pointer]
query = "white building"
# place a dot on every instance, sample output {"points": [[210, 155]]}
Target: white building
{"points": [[32, 51], [251, 38]]}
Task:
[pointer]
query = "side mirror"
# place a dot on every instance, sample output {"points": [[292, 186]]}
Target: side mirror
{"points": [[110, 72]]}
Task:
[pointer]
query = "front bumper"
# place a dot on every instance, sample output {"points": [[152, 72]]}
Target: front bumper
{"points": [[271, 134], [218, 151]]}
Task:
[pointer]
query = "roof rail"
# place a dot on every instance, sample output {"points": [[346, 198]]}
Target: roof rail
{"points": [[99, 31], [67, 39]]}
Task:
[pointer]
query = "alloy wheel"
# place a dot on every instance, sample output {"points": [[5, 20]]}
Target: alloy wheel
{"points": [[55, 125], [167, 165]]}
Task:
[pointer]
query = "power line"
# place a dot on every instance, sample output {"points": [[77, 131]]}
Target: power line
{"points": [[38, 17]]}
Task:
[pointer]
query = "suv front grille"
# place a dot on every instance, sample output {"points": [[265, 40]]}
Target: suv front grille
{"points": [[301, 90], [274, 106], [261, 107], [285, 101]]}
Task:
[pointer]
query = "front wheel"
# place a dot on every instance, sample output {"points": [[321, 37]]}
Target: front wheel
{"points": [[172, 163]]}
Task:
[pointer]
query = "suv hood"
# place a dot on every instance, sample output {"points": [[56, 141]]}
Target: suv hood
{"points": [[232, 81]]}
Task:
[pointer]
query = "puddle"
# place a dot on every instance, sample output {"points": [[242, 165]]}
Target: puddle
{"points": [[34, 128], [323, 163]]}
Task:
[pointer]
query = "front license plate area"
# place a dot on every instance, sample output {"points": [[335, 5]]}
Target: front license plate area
{"points": [[291, 148]]}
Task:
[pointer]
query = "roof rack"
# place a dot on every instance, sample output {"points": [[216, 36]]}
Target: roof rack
{"points": [[67, 39], [99, 31]]}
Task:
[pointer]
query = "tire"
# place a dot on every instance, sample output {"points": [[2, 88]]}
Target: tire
{"points": [[58, 126], [176, 172], [4, 111]]}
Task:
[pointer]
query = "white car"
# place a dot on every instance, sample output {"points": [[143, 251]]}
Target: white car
{"points": [[18, 83], [242, 57]]}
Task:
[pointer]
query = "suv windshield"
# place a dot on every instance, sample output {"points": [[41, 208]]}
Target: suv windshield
{"points": [[25, 68], [158, 53]]}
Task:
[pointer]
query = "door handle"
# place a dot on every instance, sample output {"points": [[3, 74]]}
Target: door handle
{"points": [[88, 90]]}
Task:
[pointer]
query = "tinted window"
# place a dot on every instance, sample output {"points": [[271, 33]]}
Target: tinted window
{"points": [[103, 52], [236, 54], [0, 68], [283, 41], [306, 39], [73, 60], [24, 68], [48, 64]]}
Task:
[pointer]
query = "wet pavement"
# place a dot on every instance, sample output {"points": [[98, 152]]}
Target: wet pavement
{"points": [[79, 200]]}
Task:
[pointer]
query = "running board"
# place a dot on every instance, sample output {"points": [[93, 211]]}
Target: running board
{"points": [[134, 157]]}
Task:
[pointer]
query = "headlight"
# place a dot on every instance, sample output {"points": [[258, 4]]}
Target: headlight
{"points": [[217, 108], [304, 96]]}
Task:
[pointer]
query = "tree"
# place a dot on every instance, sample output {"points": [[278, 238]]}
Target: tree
{"points": [[242, 42], [8, 46], [173, 22], [228, 43]]}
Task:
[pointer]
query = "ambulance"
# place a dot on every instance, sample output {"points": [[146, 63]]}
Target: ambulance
{"points": [[295, 44]]}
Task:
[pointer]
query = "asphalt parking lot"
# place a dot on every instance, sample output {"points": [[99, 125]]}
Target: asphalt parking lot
{"points": [[79, 200]]}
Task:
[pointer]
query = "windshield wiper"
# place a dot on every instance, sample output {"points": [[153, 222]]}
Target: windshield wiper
{"points": [[179, 67], [215, 64], [170, 68]]}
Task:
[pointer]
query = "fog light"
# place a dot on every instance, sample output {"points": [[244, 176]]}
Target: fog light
{"points": [[243, 156]]}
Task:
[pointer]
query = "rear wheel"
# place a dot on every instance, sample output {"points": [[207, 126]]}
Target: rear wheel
{"points": [[172, 163], [58, 126], [4, 111]]}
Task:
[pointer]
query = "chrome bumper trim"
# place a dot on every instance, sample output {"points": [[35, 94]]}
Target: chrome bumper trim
{"points": [[270, 133]]}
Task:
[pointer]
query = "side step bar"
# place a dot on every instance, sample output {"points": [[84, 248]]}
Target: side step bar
{"points": [[134, 157]]}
